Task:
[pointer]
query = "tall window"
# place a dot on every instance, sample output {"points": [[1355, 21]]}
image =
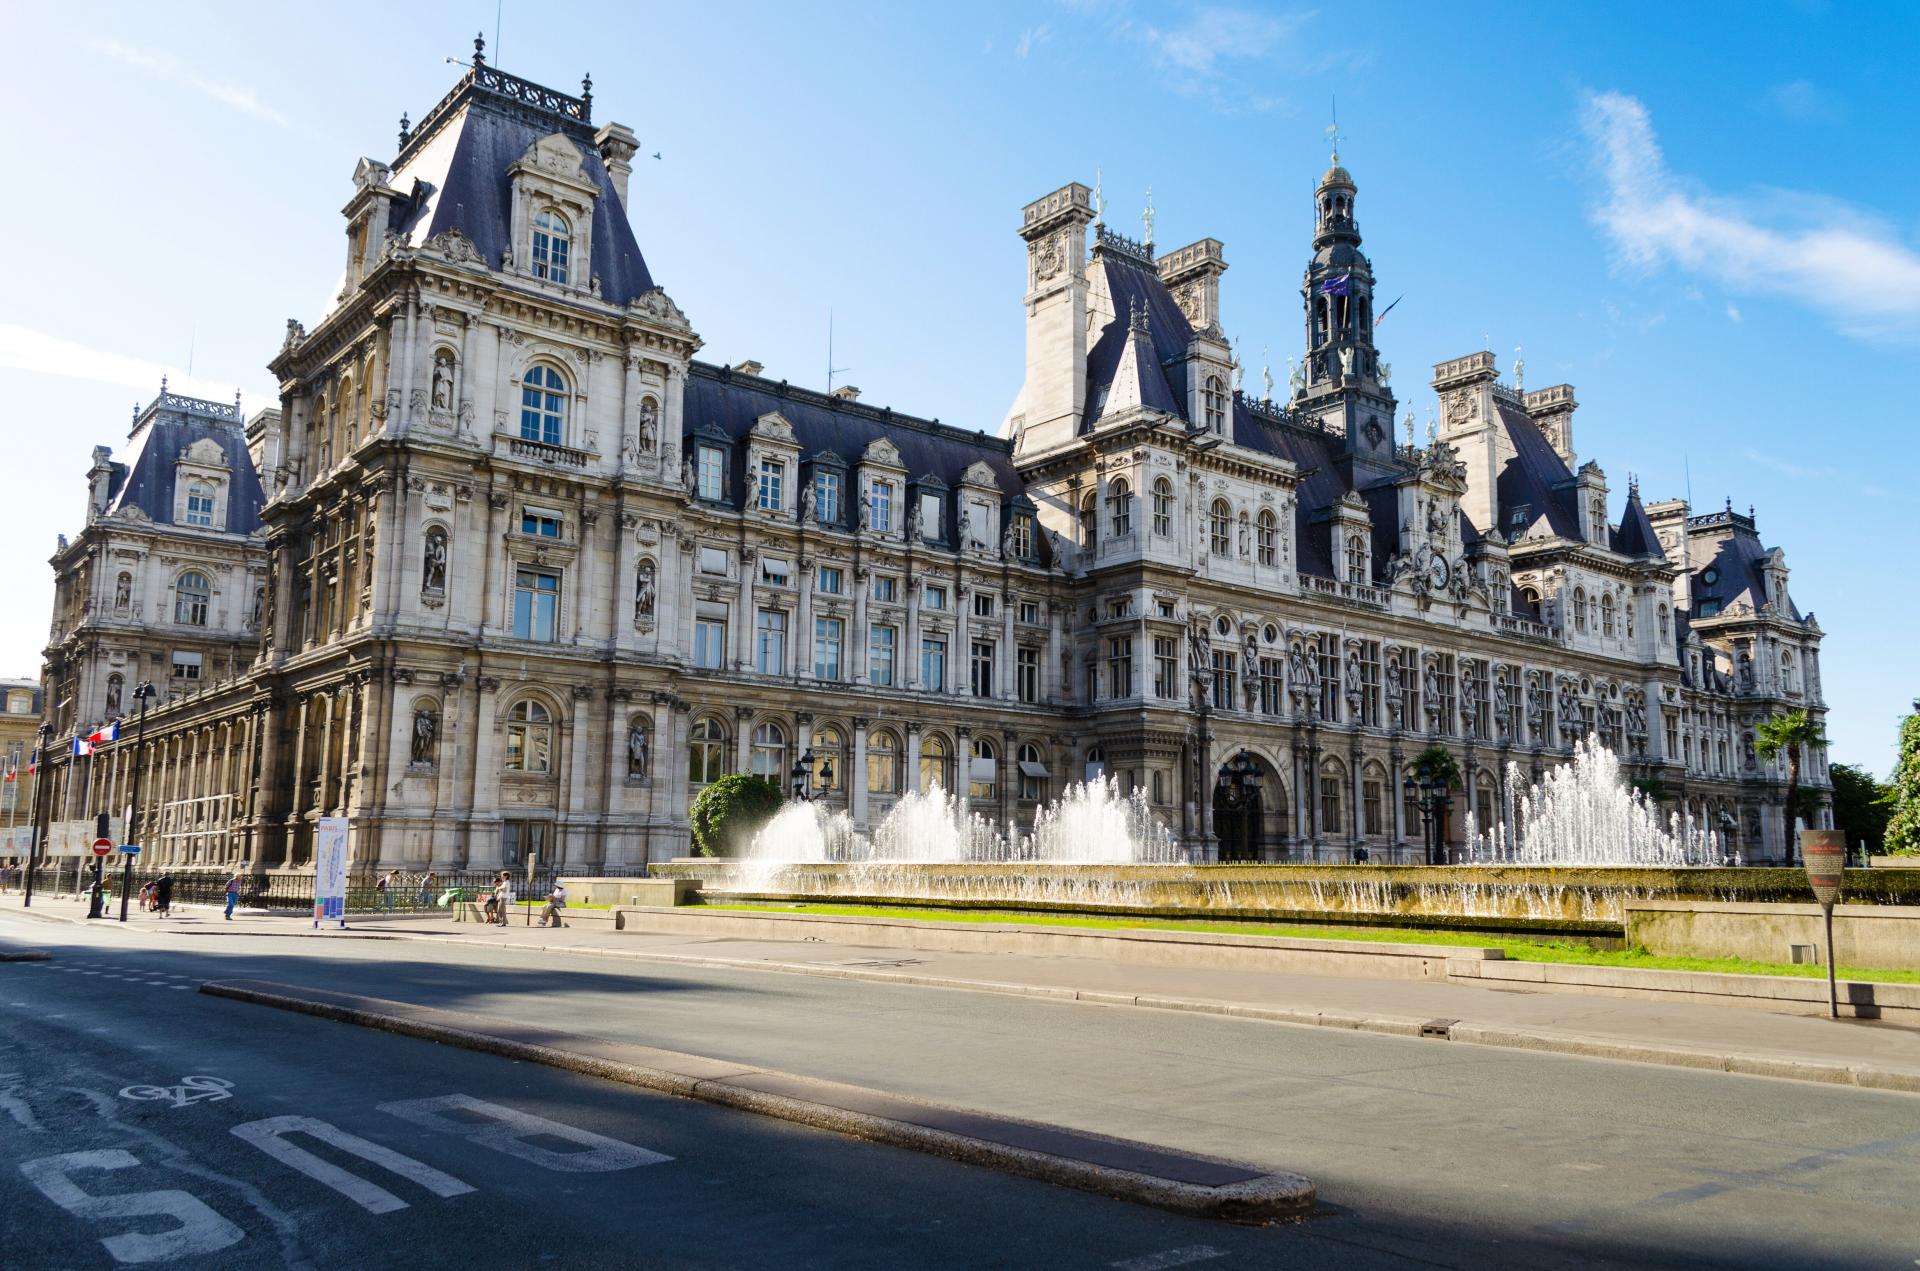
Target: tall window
{"points": [[1120, 666], [1027, 675], [552, 242], [190, 599], [880, 652], [711, 473], [773, 479], [983, 774], [1273, 681], [767, 756], [982, 668], [1163, 507], [543, 406], [936, 763], [710, 643], [770, 642], [827, 636], [933, 665], [1120, 507], [1606, 614], [199, 505], [1372, 804], [1225, 675], [1033, 774], [1166, 666], [1023, 535], [1213, 398], [1266, 537], [707, 751], [1332, 777], [529, 737], [932, 520], [1089, 521], [883, 763], [826, 497], [1580, 610], [1220, 528], [880, 506], [536, 604], [1356, 558]]}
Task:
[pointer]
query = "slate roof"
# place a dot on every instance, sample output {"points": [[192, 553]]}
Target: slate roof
{"points": [[1133, 284], [1634, 535], [167, 427], [1737, 576], [1536, 478]]}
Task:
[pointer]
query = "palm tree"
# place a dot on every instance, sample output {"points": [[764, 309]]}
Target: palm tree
{"points": [[1792, 733]]}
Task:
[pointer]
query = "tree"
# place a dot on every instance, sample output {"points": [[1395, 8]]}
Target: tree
{"points": [[728, 812], [1436, 764], [1861, 807], [1791, 734], [1903, 825]]}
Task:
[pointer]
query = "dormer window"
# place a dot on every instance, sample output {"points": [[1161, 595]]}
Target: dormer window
{"points": [[1023, 535], [1214, 400], [199, 505], [552, 243], [711, 473], [773, 479], [543, 406]]}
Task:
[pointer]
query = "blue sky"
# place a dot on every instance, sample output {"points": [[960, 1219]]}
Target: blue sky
{"points": [[1700, 215]]}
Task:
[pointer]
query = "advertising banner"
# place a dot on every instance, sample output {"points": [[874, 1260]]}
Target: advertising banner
{"points": [[330, 870], [75, 838]]}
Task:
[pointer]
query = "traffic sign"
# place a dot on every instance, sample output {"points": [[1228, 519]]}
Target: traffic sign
{"points": [[102, 846], [131, 849]]}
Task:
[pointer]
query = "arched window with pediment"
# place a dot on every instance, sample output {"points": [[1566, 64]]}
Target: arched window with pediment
{"points": [[1220, 528], [1120, 507], [1214, 400], [1266, 537], [983, 773], [1089, 521], [707, 751], [1356, 558], [552, 245], [1163, 507], [1580, 610], [767, 755], [192, 596], [1606, 614], [543, 405], [936, 763], [529, 737]]}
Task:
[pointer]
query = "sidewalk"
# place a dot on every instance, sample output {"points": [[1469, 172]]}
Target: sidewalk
{"points": [[1865, 1053]]}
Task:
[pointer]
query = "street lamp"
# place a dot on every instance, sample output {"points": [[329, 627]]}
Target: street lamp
{"points": [[1727, 827], [1239, 783], [802, 776], [143, 693], [41, 737], [1429, 794]]}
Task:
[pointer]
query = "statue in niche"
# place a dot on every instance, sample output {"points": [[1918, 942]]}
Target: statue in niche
{"points": [[114, 683], [1346, 363], [259, 599], [1006, 543], [809, 504], [913, 524], [1059, 547], [1250, 672], [649, 425], [123, 591], [1354, 686], [1430, 691], [433, 572], [1501, 703], [443, 382], [426, 726], [637, 752], [1395, 687], [966, 526], [643, 594]]}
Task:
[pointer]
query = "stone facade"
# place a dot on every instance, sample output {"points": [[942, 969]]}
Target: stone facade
{"points": [[529, 573]]}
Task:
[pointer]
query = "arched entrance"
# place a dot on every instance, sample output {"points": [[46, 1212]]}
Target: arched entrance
{"points": [[1249, 809]]}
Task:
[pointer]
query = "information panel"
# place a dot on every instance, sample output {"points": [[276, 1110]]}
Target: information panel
{"points": [[330, 870]]}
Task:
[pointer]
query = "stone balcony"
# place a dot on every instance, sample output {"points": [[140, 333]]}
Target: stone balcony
{"points": [[510, 445]]}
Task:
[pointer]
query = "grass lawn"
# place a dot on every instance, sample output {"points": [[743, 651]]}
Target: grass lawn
{"points": [[1519, 950]]}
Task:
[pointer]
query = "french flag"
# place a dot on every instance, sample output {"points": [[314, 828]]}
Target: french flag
{"points": [[105, 733], [81, 747]]}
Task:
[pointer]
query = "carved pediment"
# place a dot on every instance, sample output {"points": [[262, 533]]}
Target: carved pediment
{"points": [[205, 453], [370, 174], [456, 247], [773, 426], [978, 473], [555, 155], [881, 453], [657, 304]]}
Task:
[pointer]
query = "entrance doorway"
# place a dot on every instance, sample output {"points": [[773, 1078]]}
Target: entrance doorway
{"points": [[1249, 809]]}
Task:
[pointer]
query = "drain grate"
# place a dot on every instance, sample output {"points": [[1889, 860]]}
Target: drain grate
{"points": [[1441, 1028]]}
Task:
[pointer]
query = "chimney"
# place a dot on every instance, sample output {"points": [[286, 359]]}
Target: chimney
{"points": [[1192, 274], [1552, 409], [1469, 422], [748, 367], [847, 393], [1052, 399], [617, 146]]}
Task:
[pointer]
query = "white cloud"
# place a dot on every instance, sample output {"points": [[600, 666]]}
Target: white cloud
{"points": [[1799, 99], [1198, 57], [1834, 259], [1733, 313], [24, 349], [1030, 39], [226, 92]]}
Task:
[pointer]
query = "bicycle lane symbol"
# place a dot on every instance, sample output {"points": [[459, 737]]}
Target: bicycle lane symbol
{"points": [[195, 1089]]}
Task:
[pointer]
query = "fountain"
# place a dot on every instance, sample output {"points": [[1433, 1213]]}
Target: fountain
{"points": [[1586, 813]]}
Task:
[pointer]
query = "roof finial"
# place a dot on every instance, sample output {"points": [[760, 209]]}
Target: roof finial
{"points": [[236, 401], [1146, 217], [406, 129], [1137, 319], [1099, 199], [480, 48], [586, 88], [1333, 131], [163, 393], [1266, 372]]}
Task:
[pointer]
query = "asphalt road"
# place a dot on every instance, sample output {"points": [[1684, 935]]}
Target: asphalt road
{"points": [[1425, 1153]]}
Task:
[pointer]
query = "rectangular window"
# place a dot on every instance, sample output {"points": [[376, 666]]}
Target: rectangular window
{"points": [[1331, 697], [770, 642], [774, 572], [826, 497], [880, 506], [773, 479], [1371, 802], [826, 648], [1027, 674], [710, 643], [1120, 666], [935, 597], [1023, 535], [880, 642], [1273, 685], [186, 668], [983, 604], [1166, 667], [886, 588], [931, 523], [539, 523], [933, 665], [982, 668], [830, 580], [1225, 675], [536, 604], [1673, 738], [1093, 679], [713, 560], [1030, 613], [711, 473], [199, 507]]}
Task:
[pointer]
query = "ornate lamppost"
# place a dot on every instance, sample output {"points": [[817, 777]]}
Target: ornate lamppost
{"points": [[143, 693], [1429, 792], [802, 777], [1239, 782], [1729, 827]]}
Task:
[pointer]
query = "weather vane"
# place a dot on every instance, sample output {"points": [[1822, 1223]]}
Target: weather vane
{"points": [[1333, 130]]}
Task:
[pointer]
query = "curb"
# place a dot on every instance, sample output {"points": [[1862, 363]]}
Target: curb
{"points": [[1089, 1162], [24, 955]]}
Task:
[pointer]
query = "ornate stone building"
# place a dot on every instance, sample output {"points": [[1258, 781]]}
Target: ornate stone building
{"points": [[529, 574]]}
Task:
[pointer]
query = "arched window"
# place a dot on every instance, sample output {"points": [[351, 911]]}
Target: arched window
{"points": [[1266, 537], [1580, 610], [707, 751], [1120, 506], [1356, 558], [1214, 400], [883, 763], [1163, 507], [1606, 615], [1089, 521], [936, 763], [199, 505], [1033, 773], [543, 406], [116, 686], [1220, 528], [529, 737], [1786, 671], [983, 777], [1664, 624], [190, 598], [768, 755], [829, 747], [552, 244]]}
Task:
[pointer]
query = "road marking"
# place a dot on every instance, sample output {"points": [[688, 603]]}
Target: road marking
{"points": [[201, 1230], [199, 1089], [269, 1136], [510, 1130], [1170, 1258]]}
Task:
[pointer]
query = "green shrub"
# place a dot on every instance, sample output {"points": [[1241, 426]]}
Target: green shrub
{"points": [[728, 812]]}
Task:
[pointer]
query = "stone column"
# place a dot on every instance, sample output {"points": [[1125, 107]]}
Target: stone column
{"points": [[1009, 653], [1353, 775], [743, 738], [581, 583], [743, 639], [963, 770], [296, 801], [614, 789], [483, 827], [623, 591], [803, 621], [910, 676], [857, 776], [910, 779], [576, 809], [857, 638]]}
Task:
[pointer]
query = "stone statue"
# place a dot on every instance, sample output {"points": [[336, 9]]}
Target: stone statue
{"points": [[1396, 688], [1296, 376], [1246, 537], [913, 524], [443, 382], [688, 479], [649, 425], [1346, 362], [1436, 517], [1386, 374], [433, 574], [1250, 673], [1501, 703], [1430, 691], [1006, 543], [259, 599], [637, 752], [425, 728], [1059, 549], [643, 593], [113, 694], [866, 513], [809, 504], [966, 527], [123, 591], [1354, 687]]}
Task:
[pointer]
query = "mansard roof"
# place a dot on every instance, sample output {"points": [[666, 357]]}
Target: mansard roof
{"points": [[1133, 284], [458, 160], [166, 428], [1536, 479], [1738, 582]]}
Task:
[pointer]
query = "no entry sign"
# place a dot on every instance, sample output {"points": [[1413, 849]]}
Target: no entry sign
{"points": [[102, 846]]}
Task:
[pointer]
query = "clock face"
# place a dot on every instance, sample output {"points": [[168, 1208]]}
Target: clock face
{"points": [[1437, 572]]}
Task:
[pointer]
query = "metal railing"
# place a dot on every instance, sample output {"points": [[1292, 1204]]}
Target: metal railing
{"points": [[410, 892]]}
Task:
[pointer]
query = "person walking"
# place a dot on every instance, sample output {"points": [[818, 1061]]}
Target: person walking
{"points": [[426, 890], [233, 894], [163, 895], [556, 901], [385, 887], [503, 895]]}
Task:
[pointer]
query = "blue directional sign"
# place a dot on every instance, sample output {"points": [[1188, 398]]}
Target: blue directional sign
{"points": [[131, 849]]}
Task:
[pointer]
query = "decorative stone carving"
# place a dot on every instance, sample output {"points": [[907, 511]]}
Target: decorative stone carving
{"points": [[443, 381], [638, 745], [433, 565], [643, 596], [649, 425], [426, 728]]}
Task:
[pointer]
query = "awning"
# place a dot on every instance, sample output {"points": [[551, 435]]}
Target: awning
{"points": [[1032, 768]]}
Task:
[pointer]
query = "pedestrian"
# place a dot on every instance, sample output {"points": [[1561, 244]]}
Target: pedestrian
{"points": [[426, 890], [504, 892], [385, 888], [556, 901], [233, 894], [163, 895]]}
